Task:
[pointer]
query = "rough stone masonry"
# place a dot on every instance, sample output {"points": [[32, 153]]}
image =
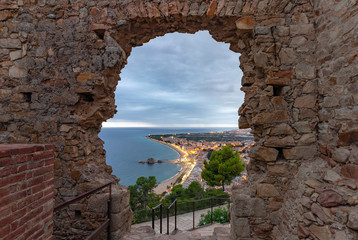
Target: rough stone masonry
{"points": [[60, 61]]}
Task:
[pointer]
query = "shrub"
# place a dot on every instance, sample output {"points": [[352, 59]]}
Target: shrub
{"points": [[220, 215]]}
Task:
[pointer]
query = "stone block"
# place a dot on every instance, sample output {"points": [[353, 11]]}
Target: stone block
{"points": [[15, 55], [340, 154], [245, 23], [277, 81], [287, 141], [307, 139], [302, 29], [281, 129], [322, 233], [264, 154], [300, 152], [243, 123], [305, 71], [265, 190], [244, 206], [330, 198], [302, 231], [332, 176], [350, 171], [279, 103], [120, 201], [302, 127], [260, 59], [17, 72], [240, 228], [121, 219], [330, 102], [275, 217], [287, 56], [270, 117], [10, 43], [277, 169], [353, 219], [322, 213], [98, 203], [347, 138], [307, 101]]}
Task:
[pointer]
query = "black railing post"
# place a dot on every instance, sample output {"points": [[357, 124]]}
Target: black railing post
{"points": [[161, 219], [211, 207], [168, 221], [193, 215], [175, 208], [153, 212]]}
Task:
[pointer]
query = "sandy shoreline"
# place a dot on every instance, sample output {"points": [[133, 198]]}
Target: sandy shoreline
{"points": [[163, 186]]}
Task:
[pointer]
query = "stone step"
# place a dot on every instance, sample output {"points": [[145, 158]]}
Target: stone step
{"points": [[147, 233]]}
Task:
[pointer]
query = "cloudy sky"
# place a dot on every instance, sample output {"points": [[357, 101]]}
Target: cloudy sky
{"points": [[179, 80]]}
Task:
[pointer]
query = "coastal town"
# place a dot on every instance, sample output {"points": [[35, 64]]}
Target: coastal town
{"points": [[195, 148]]}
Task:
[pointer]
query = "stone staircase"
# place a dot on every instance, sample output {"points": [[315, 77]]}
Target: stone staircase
{"points": [[211, 232]]}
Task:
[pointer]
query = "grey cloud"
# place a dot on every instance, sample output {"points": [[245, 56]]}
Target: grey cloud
{"points": [[181, 77]]}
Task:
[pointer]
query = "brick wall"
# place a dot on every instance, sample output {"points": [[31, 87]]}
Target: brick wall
{"points": [[26, 191]]}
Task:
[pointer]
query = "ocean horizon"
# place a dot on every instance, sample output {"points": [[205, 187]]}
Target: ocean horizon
{"points": [[126, 146]]}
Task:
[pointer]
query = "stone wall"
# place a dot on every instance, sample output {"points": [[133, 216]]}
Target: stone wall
{"points": [[26, 191], [60, 64]]}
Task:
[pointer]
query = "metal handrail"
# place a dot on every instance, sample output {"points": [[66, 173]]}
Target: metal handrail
{"points": [[107, 223], [193, 209], [83, 195], [172, 203], [202, 199], [157, 206]]}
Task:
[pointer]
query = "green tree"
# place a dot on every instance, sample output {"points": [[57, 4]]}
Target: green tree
{"points": [[195, 190], [142, 192], [223, 167]]}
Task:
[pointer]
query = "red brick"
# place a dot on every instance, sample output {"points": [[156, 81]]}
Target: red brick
{"points": [[28, 175], [22, 159], [42, 171], [49, 161], [38, 234], [22, 168], [39, 187], [5, 172], [5, 231], [43, 155], [22, 186], [5, 211], [42, 201], [6, 162], [36, 164], [14, 226], [17, 233], [6, 191], [30, 215], [12, 179], [43, 216], [9, 219], [48, 176], [35, 181], [33, 198], [14, 170], [5, 153], [12, 198], [31, 231]]}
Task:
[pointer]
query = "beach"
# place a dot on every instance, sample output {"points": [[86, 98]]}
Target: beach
{"points": [[185, 169]]}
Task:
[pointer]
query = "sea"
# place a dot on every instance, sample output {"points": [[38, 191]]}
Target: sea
{"points": [[125, 147]]}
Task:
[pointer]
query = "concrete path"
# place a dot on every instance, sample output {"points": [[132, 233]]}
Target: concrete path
{"points": [[211, 232], [184, 221]]}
